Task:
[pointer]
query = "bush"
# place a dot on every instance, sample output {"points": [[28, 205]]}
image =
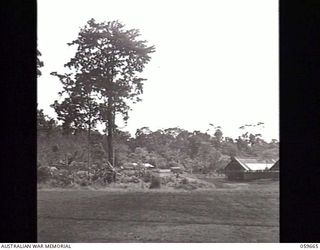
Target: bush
{"points": [[155, 182], [184, 181], [186, 186], [129, 179], [43, 174], [61, 179], [84, 182], [60, 182], [167, 180], [147, 177], [55, 148]]}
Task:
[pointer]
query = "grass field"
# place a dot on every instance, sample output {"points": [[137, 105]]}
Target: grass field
{"points": [[234, 212]]}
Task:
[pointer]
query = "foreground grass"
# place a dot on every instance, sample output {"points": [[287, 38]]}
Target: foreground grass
{"points": [[246, 214]]}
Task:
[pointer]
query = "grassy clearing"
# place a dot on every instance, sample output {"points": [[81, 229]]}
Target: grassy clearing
{"points": [[235, 212]]}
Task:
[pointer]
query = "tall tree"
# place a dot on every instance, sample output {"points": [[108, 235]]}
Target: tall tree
{"points": [[111, 58], [79, 110]]}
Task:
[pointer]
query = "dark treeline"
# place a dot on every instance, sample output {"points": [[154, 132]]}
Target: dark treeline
{"points": [[192, 151]]}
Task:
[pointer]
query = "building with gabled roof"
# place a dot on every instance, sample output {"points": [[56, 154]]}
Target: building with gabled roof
{"points": [[250, 169], [276, 166]]}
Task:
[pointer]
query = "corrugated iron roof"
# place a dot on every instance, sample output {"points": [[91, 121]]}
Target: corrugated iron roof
{"points": [[175, 168], [162, 170], [253, 164], [148, 165], [259, 166]]}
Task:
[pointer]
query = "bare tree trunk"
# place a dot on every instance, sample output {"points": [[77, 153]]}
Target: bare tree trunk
{"points": [[89, 138], [110, 124], [114, 150], [110, 117], [89, 147]]}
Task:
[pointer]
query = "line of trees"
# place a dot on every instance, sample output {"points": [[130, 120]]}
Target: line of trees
{"points": [[194, 151]]}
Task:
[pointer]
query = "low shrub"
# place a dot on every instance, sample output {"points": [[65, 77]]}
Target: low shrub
{"points": [[155, 182], [188, 186], [84, 182], [61, 179], [147, 177], [43, 174], [184, 181], [167, 180]]}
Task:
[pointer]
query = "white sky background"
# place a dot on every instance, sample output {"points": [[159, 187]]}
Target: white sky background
{"points": [[215, 61]]}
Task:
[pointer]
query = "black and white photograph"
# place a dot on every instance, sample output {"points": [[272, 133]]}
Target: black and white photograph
{"points": [[158, 121]]}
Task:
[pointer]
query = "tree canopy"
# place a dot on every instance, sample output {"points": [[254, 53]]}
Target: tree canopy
{"points": [[105, 76]]}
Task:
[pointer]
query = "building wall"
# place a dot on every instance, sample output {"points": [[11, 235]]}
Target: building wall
{"points": [[234, 171], [261, 175], [235, 175], [275, 167]]}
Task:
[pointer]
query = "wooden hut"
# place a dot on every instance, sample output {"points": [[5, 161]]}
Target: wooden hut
{"points": [[176, 170], [250, 169]]}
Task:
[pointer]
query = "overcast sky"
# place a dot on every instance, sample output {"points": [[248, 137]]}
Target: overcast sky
{"points": [[215, 61]]}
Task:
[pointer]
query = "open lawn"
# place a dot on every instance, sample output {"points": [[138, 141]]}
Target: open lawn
{"points": [[234, 212]]}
